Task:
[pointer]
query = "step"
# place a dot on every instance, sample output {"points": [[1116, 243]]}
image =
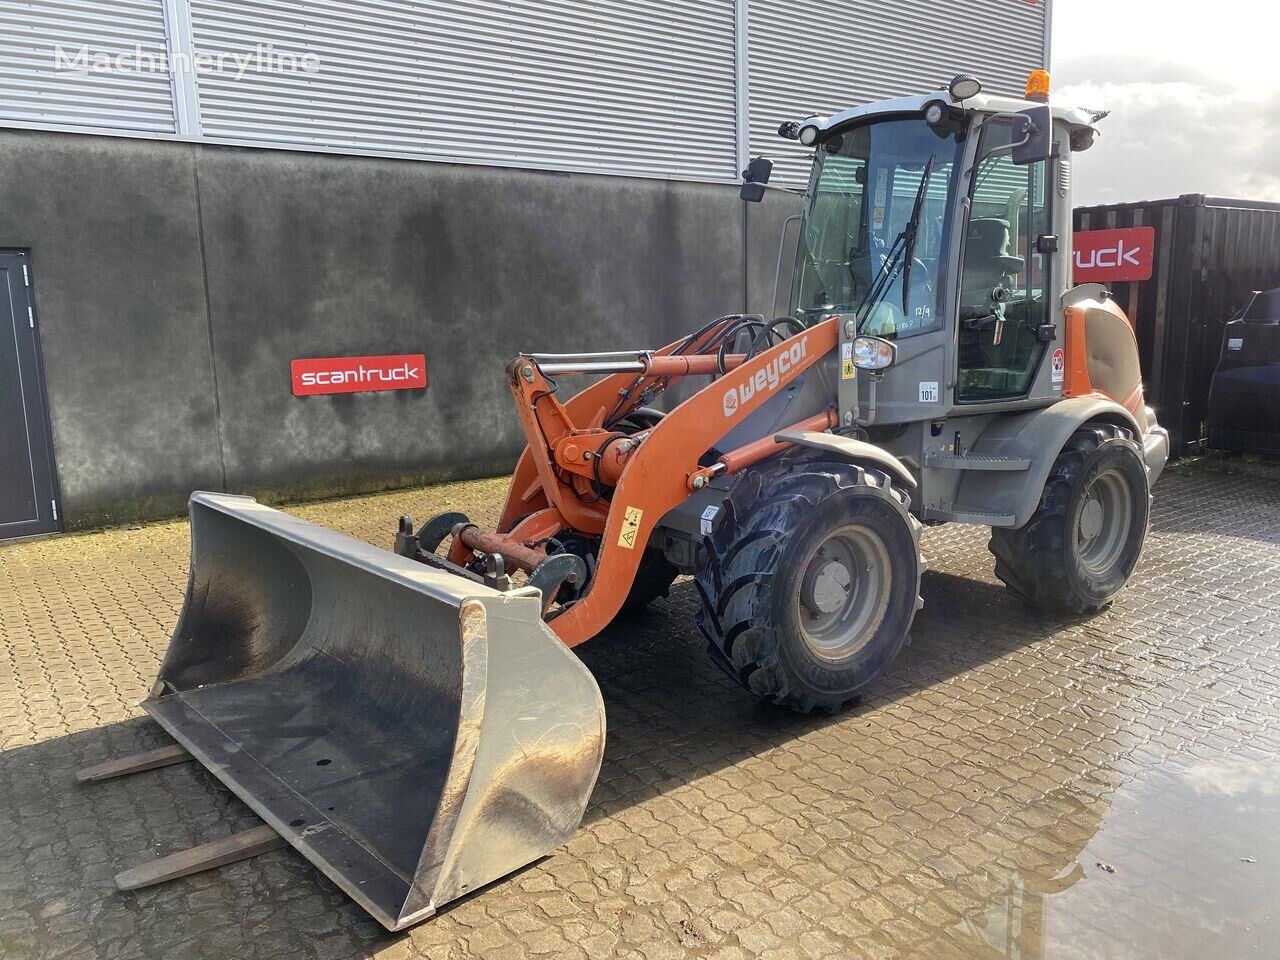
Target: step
{"points": [[974, 461], [984, 518]]}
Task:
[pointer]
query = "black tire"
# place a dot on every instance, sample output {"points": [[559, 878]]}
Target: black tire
{"points": [[754, 574], [1080, 546]]}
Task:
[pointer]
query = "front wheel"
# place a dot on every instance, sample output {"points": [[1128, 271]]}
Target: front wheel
{"points": [[810, 585], [1080, 546]]}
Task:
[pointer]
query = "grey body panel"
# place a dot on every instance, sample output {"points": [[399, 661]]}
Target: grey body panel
{"points": [[1155, 447], [413, 734]]}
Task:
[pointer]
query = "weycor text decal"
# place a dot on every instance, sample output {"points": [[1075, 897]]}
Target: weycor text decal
{"points": [[1102, 255], [405, 371], [776, 371]]}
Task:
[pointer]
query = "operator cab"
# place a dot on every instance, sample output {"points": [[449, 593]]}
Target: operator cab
{"points": [[936, 214]]}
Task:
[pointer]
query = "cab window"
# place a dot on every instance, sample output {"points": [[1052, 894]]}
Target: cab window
{"points": [[860, 203], [1002, 287]]}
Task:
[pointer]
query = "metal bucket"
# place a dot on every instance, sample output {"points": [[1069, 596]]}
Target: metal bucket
{"points": [[413, 734]]}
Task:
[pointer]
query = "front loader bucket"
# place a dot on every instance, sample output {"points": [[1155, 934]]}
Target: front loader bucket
{"points": [[413, 734]]}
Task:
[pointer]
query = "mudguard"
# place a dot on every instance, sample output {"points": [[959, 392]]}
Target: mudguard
{"points": [[1038, 436]]}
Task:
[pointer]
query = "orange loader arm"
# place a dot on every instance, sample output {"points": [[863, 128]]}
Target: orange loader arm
{"points": [[651, 472]]}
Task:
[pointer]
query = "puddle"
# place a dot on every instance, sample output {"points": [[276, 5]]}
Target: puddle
{"points": [[1195, 850]]}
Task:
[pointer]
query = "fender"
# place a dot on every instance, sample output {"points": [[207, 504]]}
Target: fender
{"points": [[1038, 436], [854, 451]]}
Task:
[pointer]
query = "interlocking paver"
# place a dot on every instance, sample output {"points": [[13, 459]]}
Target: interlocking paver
{"points": [[940, 818]]}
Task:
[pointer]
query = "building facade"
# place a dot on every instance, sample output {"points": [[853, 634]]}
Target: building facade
{"points": [[197, 192]]}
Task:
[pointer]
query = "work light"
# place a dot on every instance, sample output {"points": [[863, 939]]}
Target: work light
{"points": [[963, 87], [873, 353]]}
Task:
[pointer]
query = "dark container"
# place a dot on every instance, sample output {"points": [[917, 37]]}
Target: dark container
{"points": [[1244, 401], [1211, 255]]}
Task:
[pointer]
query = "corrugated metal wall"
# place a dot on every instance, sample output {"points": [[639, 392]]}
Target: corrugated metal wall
{"points": [[34, 91], [813, 56], [619, 85], [645, 87]]}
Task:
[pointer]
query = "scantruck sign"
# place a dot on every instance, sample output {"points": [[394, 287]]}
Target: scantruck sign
{"points": [[402, 371], [1116, 255]]}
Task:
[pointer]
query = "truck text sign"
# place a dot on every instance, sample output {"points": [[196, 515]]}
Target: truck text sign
{"points": [[406, 371], [1116, 255]]}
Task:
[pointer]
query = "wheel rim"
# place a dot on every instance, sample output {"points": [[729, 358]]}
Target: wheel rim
{"points": [[1103, 522], [844, 592]]}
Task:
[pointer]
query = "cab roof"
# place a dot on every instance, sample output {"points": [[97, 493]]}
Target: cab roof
{"points": [[981, 102]]}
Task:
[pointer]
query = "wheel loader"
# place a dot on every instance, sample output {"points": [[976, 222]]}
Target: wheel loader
{"points": [[415, 722]]}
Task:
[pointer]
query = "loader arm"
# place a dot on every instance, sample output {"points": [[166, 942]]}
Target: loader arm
{"points": [[657, 476], [589, 407]]}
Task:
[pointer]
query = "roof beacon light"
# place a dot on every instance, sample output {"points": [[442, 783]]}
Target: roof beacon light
{"points": [[1038, 86]]}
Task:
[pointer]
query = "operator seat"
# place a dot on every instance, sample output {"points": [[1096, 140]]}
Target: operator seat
{"points": [[987, 264]]}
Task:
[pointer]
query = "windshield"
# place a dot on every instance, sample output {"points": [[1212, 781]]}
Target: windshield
{"points": [[865, 186]]}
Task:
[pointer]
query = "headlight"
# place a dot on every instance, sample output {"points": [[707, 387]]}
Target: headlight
{"points": [[934, 113], [808, 135], [873, 353]]}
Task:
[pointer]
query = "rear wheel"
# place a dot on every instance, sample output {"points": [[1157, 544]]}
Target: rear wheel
{"points": [[1080, 546], [810, 585]]}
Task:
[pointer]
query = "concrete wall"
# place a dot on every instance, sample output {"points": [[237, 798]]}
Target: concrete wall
{"points": [[175, 282]]}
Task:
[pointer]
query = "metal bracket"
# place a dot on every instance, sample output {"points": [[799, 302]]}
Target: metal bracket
{"points": [[556, 570], [437, 528]]}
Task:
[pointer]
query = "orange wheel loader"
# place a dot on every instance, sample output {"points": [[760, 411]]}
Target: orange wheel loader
{"points": [[415, 722]]}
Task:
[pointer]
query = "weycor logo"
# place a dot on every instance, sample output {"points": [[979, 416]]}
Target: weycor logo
{"points": [[766, 380], [1102, 255], [405, 371]]}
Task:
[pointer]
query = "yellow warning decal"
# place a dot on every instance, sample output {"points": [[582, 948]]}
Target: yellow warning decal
{"points": [[630, 528], [847, 370]]}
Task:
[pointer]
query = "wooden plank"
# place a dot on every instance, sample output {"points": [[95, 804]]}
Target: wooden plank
{"points": [[218, 853], [161, 757]]}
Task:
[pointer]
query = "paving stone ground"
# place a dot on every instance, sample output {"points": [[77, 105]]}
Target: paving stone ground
{"points": [[944, 816]]}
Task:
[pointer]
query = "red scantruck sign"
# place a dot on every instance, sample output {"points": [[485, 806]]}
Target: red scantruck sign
{"points": [[404, 371], [1102, 255]]}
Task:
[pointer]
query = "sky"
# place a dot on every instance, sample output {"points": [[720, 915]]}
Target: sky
{"points": [[1194, 94]]}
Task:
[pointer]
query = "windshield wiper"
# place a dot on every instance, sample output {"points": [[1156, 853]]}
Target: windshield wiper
{"points": [[904, 242], [912, 230]]}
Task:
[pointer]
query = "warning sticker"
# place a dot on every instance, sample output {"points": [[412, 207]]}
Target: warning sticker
{"points": [[847, 370], [1059, 365], [630, 528]]}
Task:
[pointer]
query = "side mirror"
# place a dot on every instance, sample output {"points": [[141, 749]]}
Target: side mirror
{"points": [[754, 178], [1032, 135]]}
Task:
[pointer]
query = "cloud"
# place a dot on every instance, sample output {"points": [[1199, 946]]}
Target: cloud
{"points": [[1236, 776], [1172, 131], [1134, 70]]}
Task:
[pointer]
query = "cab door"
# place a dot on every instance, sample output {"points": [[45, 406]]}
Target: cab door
{"points": [[1003, 302]]}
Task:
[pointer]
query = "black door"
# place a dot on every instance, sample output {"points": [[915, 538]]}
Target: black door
{"points": [[28, 499]]}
